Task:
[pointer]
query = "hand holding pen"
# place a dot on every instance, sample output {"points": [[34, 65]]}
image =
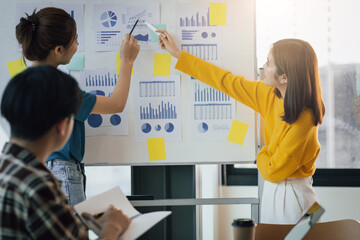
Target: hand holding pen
{"points": [[168, 43], [111, 223]]}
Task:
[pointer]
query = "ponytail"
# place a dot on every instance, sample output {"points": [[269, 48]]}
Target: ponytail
{"points": [[42, 31]]}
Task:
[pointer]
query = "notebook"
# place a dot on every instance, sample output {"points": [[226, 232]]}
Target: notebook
{"points": [[140, 223], [306, 222]]}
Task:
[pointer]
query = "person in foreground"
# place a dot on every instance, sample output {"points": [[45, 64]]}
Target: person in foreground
{"points": [[49, 37], [289, 99], [40, 104]]}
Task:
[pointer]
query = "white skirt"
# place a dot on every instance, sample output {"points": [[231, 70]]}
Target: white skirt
{"points": [[285, 202]]}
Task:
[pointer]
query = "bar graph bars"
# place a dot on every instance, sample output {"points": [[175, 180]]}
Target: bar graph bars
{"points": [[157, 89], [108, 37], [209, 94], [212, 111], [161, 111], [203, 51], [188, 34], [100, 80], [196, 20]]}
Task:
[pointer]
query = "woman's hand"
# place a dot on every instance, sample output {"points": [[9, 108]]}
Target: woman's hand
{"points": [[168, 43], [129, 49]]}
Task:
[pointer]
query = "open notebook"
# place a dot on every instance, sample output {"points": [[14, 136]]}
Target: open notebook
{"points": [[140, 223], [306, 222]]}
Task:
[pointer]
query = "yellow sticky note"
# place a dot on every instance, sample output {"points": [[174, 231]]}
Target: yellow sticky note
{"points": [[237, 132], [217, 13], [156, 148], [16, 67], [118, 64], [162, 62]]}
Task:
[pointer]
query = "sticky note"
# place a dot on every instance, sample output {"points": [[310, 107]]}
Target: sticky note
{"points": [[217, 13], [162, 62], [156, 148], [154, 36], [76, 63], [237, 132], [16, 67], [118, 64]]}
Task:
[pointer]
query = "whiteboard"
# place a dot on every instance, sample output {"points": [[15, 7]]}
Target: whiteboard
{"points": [[238, 56]]}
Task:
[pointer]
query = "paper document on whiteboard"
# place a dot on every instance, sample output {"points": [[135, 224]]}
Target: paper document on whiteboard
{"points": [[140, 223]]}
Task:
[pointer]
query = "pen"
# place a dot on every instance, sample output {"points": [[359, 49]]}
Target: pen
{"points": [[98, 214], [153, 29], [137, 20]]}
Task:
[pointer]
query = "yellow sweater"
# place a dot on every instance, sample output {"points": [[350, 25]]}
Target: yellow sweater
{"points": [[290, 150]]}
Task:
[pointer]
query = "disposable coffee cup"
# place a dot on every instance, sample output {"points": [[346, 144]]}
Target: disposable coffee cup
{"points": [[244, 229]]}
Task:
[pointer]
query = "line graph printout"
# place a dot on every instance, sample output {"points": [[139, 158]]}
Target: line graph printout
{"points": [[113, 21], [211, 114], [76, 11], [157, 107], [102, 83], [198, 37]]}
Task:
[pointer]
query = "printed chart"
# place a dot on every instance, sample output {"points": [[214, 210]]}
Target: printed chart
{"points": [[113, 21], [102, 83], [212, 112], [76, 11], [198, 37], [157, 107]]}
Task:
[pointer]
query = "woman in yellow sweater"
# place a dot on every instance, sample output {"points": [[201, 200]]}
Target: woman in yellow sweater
{"points": [[289, 99]]}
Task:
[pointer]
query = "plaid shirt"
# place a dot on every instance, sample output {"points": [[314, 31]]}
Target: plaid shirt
{"points": [[32, 205]]}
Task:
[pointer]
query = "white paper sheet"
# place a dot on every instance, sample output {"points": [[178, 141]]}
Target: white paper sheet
{"points": [[211, 112], [140, 223], [196, 35], [102, 82], [76, 10], [113, 21], [157, 107]]}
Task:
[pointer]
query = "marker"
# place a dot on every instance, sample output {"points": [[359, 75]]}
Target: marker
{"points": [[151, 27], [137, 20]]}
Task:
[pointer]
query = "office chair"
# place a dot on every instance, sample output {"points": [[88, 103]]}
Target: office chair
{"points": [[346, 229]]}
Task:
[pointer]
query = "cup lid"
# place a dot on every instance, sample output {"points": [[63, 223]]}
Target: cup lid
{"points": [[243, 222]]}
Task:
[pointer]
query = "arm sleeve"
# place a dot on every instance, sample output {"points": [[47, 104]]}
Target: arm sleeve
{"points": [[295, 149], [88, 103], [251, 93], [49, 217]]}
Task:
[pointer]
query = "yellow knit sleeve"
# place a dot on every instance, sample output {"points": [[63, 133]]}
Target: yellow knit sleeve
{"points": [[295, 154], [251, 93]]}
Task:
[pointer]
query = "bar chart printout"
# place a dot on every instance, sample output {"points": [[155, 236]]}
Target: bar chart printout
{"points": [[198, 37], [212, 112], [157, 108], [102, 83]]}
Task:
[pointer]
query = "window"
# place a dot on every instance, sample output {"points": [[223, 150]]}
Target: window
{"points": [[330, 26]]}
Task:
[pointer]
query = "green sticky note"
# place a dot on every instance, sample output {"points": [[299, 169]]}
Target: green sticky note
{"points": [[217, 13], [16, 67], [162, 62], [154, 36], [156, 148], [118, 64], [237, 132], [76, 63]]}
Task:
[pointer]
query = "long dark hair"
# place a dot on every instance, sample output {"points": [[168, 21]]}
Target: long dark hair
{"points": [[42, 31], [297, 60]]}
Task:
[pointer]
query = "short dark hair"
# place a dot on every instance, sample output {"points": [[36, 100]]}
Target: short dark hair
{"points": [[36, 99], [42, 31]]}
